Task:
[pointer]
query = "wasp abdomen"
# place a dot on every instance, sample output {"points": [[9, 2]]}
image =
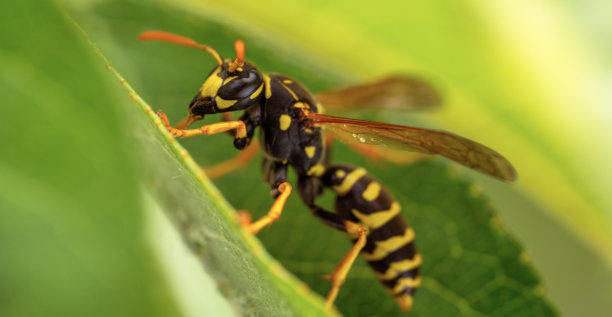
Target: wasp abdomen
{"points": [[390, 249]]}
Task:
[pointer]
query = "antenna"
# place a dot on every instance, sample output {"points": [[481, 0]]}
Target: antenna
{"points": [[180, 40], [239, 61]]}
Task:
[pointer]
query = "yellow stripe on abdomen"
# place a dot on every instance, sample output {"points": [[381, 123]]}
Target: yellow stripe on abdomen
{"points": [[400, 266], [348, 182], [379, 218], [405, 282], [387, 246], [371, 192]]}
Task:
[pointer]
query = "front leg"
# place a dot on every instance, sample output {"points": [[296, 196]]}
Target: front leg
{"points": [[206, 129], [251, 121]]}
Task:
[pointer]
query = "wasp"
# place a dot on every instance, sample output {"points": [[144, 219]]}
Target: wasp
{"points": [[293, 134]]}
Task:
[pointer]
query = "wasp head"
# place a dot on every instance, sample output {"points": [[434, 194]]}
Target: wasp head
{"points": [[226, 90], [233, 85]]}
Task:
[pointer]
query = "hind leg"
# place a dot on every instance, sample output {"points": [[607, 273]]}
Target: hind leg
{"points": [[338, 276]]}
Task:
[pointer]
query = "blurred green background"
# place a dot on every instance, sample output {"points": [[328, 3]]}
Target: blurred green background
{"points": [[529, 78]]}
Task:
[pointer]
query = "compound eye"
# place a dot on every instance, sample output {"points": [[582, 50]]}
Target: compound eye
{"points": [[244, 85]]}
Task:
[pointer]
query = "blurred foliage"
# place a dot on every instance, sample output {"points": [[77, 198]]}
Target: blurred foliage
{"points": [[71, 220], [481, 57]]}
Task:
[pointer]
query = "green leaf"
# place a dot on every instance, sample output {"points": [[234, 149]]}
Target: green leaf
{"points": [[70, 215], [471, 267]]}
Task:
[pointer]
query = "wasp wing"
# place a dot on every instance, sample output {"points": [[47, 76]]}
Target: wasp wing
{"points": [[393, 92], [451, 146]]}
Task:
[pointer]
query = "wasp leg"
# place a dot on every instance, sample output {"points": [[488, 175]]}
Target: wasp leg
{"points": [[273, 214], [206, 129], [338, 276], [227, 116], [250, 119], [238, 161]]}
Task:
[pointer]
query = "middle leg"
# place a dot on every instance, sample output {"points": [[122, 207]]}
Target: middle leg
{"points": [[275, 174]]}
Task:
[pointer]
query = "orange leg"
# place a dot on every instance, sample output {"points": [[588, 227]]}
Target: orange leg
{"points": [[227, 116], [234, 163], [205, 129], [273, 214], [339, 274]]}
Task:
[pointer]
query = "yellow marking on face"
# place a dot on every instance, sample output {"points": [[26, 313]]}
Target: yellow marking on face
{"points": [[284, 161], [287, 81], [383, 248], [308, 130], [340, 173], [404, 301], [268, 87], [290, 91], [316, 170], [405, 282], [371, 192], [400, 266], [212, 84], [257, 92], [239, 69], [285, 122], [224, 104], [310, 151], [228, 79], [379, 218], [301, 105], [349, 181]]}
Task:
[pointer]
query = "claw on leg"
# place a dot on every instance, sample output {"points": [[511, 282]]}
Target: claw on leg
{"points": [[243, 217], [162, 116], [338, 276]]}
